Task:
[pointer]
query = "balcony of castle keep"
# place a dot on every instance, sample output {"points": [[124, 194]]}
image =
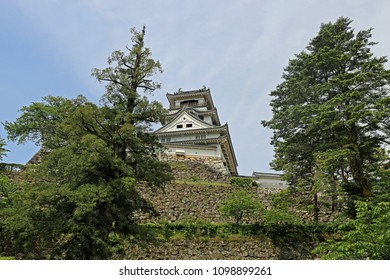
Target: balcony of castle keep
{"points": [[190, 103]]}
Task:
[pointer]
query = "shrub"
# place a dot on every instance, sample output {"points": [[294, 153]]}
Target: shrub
{"points": [[242, 182], [6, 258], [365, 237], [240, 204]]}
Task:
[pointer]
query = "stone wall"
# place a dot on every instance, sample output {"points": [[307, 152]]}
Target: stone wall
{"points": [[206, 168], [197, 194], [197, 201], [206, 249]]}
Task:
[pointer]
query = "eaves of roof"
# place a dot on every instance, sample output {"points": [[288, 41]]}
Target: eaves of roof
{"points": [[179, 114], [193, 93], [211, 112], [222, 128]]}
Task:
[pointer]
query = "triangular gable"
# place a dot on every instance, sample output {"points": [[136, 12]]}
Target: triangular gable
{"points": [[184, 121]]}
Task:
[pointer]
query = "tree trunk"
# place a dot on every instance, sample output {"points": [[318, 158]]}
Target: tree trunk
{"points": [[359, 178], [356, 163], [315, 205], [334, 194], [334, 203]]}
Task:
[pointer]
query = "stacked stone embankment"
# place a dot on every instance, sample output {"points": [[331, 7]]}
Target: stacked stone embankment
{"points": [[207, 249], [196, 195]]}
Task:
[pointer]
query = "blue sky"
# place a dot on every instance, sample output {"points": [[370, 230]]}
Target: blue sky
{"points": [[236, 48]]}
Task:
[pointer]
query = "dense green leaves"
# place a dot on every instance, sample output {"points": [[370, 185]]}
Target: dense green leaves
{"points": [[366, 237], [241, 182], [3, 151], [129, 74], [330, 112], [83, 191], [240, 204], [39, 122]]}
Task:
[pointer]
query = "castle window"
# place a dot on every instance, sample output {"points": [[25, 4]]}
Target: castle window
{"points": [[189, 103], [189, 125], [179, 126], [163, 140]]}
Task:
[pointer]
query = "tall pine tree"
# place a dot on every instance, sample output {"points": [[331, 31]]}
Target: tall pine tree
{"points": [[331, 110]]}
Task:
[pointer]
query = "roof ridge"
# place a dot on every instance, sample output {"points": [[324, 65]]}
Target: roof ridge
{"points": [[180, 91]]}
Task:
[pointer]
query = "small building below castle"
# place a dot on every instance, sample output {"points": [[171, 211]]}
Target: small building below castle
{"points": [[193, 129], [269, 180]]}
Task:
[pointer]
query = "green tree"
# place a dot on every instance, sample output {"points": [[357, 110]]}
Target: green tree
{"points": [[331, 110], [366, 237], [85, 187], [6, 187], [131, 74], [3, 151], [39, 122], [240, 204]]}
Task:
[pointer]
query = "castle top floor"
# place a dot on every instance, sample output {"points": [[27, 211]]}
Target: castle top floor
{"points": [[200, 99]]}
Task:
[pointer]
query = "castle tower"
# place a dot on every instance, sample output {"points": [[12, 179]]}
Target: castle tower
{"points": [[193, 129]]}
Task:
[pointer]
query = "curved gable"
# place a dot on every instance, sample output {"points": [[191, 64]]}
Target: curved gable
{"points": [[182, 122]]}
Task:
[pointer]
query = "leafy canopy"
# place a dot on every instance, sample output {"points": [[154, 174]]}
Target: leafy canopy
{"points": [[331, 111], [39, 122], [93, 157], [366, 237], [240, 204], [3, 151]]}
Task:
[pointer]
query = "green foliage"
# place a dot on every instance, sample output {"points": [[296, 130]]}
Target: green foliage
{"points": [[176, 165], [82, 195], [381, 187], [3, 151], [366, 237], [276, 217], [294, 239], [7, 167], [193, 229], [11, 167], [6, 258], [39, 122], [240, 204], [280, 218], [202, 183], [65, 223], [5, 186], [132, 72], [331, 112], [241, 182], [283, 199], [194, 178]]}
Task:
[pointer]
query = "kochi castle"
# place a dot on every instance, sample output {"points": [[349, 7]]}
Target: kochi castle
{"points": [[193, 129]]}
